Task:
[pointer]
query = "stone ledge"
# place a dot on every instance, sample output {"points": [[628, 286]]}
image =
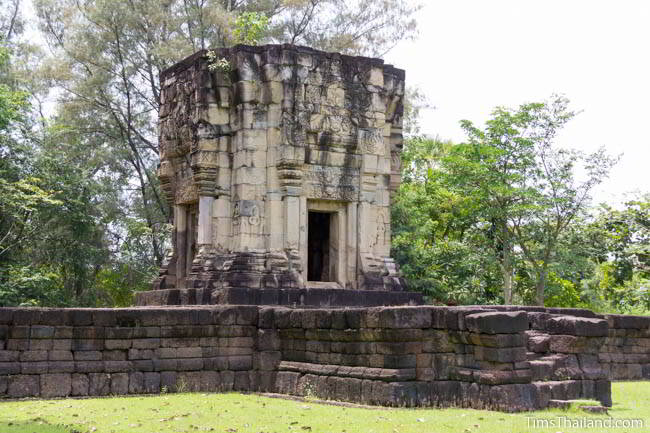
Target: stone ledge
{"points": [[310, 297], [384, 374]]}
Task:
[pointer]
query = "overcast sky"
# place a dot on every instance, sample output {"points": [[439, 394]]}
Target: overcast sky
{"points": [[473, 55]]}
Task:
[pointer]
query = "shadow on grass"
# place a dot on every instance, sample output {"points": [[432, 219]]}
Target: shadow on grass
{"points": [[34, 427]]}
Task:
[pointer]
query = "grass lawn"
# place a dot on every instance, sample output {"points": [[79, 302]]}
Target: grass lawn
{"points": [[251, 413]]}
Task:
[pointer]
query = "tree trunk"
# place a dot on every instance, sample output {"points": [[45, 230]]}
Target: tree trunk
{"points": [[507, 284], [506, 266], [541, 285]]}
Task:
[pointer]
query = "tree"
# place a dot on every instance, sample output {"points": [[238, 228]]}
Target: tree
{"points": [[11, 23], [436, 240], [107, 56], [525, 184], [358, 27], [622, 281]]}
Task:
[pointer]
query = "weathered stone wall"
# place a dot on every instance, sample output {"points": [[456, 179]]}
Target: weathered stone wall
{"points": [[626, 352], [509, 358], [56, 353]]}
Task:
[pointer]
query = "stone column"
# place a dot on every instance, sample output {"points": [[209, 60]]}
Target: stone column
{"points": [[352, 244], [205, 220], [180, 223], [222, 214]]}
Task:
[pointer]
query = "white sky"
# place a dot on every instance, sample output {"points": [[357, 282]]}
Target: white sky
{"points": [[473, 55]]}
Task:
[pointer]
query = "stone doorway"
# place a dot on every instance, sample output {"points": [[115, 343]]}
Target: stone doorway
{"points": [[318, 246]]}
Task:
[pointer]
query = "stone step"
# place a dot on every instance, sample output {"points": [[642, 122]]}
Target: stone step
{"points": [[559, 404], [566, 404], [385, 374]]}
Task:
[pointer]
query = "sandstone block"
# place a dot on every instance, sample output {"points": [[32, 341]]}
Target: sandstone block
{"points": [[237, 363], [267, 360], [400, 361], [142, 365], [168, 381], [118, 333], [40, 331], [268, 340], [21, 386], [189, 381], [603, 392], [117, 344], [227, 380], [120, 383], [63, 332], [79, 385], [190, 364], [60, 355], [89, 366], [19, 332], [497, 322], [503, 377], [37, 345], [33, 367], [65, 344], [136, 382], [151, 384], [216, 363], [87, 345], [497, 340], [580, 326], [61, 367], [506, 354], [17, 344], [88, 332], [87, 355], [405, 317], [145, 343], [114, 355], [33, 355], [9, 355]]}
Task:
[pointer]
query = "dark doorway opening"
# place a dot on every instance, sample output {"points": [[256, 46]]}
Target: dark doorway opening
{"points": [[318, 246]]}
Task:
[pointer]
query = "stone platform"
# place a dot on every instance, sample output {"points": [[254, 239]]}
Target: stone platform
{"points": [[505, 358], [308, 297]]}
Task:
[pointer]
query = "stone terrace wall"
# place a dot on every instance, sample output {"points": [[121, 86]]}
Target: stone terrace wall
{"points": [[405, 356], [626, 352], [56, 353]]}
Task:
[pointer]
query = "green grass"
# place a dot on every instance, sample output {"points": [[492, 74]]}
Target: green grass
{"points": [[251, 413]]}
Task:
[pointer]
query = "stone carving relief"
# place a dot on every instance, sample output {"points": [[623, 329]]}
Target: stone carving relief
{"points": [[186, 191], [248, 209], [370, 140], [331, 183], [379, 235]]}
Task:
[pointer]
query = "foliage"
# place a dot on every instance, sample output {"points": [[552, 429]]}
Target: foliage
{"points": [[357, 27], [81, 204], [250, 27], [525, 185], [434, 237], [505, 209]]}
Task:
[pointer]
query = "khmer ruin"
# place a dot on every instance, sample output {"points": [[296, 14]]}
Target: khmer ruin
{"points": [[280, 164], [280, 169]]}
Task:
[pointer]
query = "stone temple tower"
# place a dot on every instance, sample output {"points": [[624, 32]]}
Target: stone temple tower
{"points": [[280, 166]]}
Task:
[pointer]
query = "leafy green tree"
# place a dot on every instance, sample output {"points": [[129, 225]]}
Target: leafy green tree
{"points": [[525, 184], [435, 235], [107, 56], [622, 279]]}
